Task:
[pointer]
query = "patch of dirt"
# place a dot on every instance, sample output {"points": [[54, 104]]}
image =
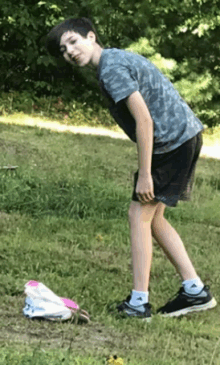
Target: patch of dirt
{"points": [[211, 151], [94, 337], [86, 337]]}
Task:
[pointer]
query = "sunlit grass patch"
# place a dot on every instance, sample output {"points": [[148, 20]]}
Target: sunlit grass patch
{"points": [[64, 222]]}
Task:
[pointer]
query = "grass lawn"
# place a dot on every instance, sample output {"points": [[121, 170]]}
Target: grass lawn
{"points": [[63, 221]]}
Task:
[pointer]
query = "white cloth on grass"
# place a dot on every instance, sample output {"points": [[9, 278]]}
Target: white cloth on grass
{"points": [[44, 303], [40, 308]]}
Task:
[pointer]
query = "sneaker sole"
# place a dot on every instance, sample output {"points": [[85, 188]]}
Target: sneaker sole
{"points": [[196, 308], [146, 319]]}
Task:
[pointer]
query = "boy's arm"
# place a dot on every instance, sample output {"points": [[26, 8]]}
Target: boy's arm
{"points": [[144, 131]]}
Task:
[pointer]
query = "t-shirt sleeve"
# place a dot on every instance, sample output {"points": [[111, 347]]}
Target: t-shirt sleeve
{"points": [[118, 82]]}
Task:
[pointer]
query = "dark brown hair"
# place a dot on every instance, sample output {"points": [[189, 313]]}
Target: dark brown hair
{"points": [[79, 25]]}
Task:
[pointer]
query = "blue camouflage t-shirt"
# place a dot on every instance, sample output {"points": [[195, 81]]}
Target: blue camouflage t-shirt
{"points": [[120, 73]]}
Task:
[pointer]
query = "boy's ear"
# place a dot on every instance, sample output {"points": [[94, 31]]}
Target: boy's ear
{"points": [[91, 35]]}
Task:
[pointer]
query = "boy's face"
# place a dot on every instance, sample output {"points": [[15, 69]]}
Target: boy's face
{"points": [[77, 49]]}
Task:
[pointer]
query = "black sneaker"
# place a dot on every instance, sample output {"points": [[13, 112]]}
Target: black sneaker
{"points": [[142, 311], [184, 303]]}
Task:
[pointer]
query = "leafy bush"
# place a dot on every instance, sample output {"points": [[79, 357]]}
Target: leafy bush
{"points": [[71, 112], [199, 90], [181, 38]]}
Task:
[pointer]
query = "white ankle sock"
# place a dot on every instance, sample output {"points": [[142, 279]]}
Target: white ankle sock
{"points": [[139, 297], [193, 286]]}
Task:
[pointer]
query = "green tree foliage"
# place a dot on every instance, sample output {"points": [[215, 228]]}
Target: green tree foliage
{"points": [[188, 32], [180, 37], [25, 64]]}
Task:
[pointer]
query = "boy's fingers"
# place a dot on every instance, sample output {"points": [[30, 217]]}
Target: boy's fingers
{"points": [[143, 198]]}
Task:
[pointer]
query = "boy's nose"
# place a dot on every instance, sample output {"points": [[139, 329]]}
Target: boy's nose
{"points": [[69, 52]]}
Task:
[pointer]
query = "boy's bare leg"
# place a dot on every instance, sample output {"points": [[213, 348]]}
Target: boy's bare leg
{"points": [[171, 243], [140, 218]]}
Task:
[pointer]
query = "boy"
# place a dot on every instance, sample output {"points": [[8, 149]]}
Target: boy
{"points": [[169, 139]]}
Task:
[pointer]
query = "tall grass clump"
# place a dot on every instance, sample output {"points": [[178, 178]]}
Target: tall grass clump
{"points": [[26, 192]]}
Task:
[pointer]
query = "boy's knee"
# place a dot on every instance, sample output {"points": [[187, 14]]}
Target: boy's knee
{"points": [[147, 211], [157, 222], [158, 218]]}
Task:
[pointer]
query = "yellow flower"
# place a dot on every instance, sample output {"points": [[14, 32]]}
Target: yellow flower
{"points": [[99, 237], [115, 360]]}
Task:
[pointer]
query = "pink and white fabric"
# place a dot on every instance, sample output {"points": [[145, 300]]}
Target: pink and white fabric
{"points": [[41, 302]]}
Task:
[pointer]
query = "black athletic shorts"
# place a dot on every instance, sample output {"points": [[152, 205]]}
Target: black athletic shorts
{"points": [[173, 172]]}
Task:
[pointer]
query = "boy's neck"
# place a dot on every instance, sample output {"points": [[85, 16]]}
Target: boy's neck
{"points": [[96, 55]]}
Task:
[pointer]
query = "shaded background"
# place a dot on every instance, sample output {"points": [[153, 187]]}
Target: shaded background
{"points": [[181, 38]]}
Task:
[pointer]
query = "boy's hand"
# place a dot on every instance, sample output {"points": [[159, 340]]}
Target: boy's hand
{"points": [[145, 188]]}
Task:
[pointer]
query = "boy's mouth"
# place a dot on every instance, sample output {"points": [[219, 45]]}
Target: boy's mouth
{"points": [[76, 59]]}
